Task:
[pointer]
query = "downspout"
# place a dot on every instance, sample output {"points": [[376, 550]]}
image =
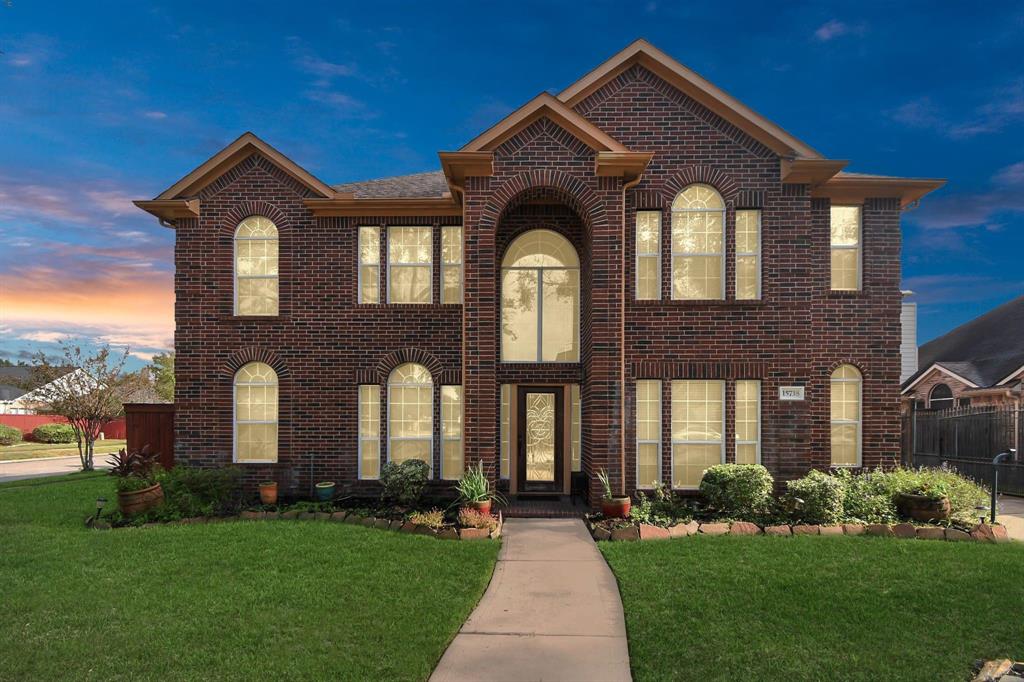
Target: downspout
{"points": [[626, 186]]}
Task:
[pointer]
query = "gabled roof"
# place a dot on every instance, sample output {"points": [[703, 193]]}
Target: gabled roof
{"points": [[694, 85], [544, 105], [984, 351]]}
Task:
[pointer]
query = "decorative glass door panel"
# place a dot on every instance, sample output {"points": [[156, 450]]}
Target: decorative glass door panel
{"points": [[541, 432]]}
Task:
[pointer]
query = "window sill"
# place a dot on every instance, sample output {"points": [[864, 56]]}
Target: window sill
{"points": [[847, 293], [253, 318], [703, 303]]}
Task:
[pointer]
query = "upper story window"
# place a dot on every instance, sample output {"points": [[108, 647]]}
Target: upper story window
{"points": [[369, 264], [648, 255], [540, 296], [255, 413], [698, 241], [256, 272], [410, 265], [941, 397], [846, 248], [411, 414], [845, 387], [451, 264], [748, 255]]}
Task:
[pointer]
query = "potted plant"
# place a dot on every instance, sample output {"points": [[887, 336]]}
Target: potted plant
{"points": [[475, 491], [612, 507], [137, 489], [325, 491], [925, 502], [268, 492]]}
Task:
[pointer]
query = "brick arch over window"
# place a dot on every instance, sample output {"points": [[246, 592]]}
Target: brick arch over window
{"points": [[229, 223], [704, 175], [416, 355], [565, 187], [860, 367], [244, 356]]}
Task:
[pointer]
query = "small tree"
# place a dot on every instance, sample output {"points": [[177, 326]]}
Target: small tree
{"points": [[91, 394], [163, 375]]}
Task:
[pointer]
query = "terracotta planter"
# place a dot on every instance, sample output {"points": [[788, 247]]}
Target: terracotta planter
{"points": [[923, 508], [482, 506], [139, 501], [268, 493], [616, 507]]}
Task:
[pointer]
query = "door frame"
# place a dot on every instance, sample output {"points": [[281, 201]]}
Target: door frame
{"points": [[563, 411]]}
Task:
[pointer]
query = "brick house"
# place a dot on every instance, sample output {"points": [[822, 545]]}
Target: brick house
{"points": [[978, 364], [640, 275]]}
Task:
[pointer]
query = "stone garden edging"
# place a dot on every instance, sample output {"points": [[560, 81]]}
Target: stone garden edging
{"points": [[342, 516], [981, 532]]}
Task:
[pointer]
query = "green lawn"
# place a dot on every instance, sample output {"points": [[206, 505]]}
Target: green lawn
{"points": [[727, 608], [29, 450], [228, 601]]}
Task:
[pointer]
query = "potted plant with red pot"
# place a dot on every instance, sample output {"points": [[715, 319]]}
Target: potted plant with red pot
{"points": [[475, 490], [612, 507], [137, 488], [268, 492]]}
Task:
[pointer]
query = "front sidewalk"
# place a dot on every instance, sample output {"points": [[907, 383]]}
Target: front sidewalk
{"points": [[551, 612], [20, 469]]}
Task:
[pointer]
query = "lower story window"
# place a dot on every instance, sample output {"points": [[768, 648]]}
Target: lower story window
{"points": [[452, 457], [648, 433], [411, 414], [748, 421], [698, 411], [256, 413], [369, 432]]}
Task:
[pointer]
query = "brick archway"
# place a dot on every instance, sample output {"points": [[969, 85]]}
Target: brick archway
{"points": [[562, 186]]}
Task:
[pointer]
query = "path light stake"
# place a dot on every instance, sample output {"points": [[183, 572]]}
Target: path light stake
{"points": [[100, 503], [1009, 454]]}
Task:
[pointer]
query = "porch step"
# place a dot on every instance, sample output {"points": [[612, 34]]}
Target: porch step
{"points": [[546, 507]]}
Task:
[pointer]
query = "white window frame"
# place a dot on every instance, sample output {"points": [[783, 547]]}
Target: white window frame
{"points": [[674, 442], [639, 441], [234, 264], [445, 437], [457, 265], [674, 253], [756, 254], [575, 428], [505, 431], [859, 248], [430, 438], [360, 438], [234, 418], [430, 264], [858, 422], [360, 264], [646, 254], [755, 443]]}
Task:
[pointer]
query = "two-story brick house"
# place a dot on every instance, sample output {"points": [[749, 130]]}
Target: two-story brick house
{"points": [[639, 274]]}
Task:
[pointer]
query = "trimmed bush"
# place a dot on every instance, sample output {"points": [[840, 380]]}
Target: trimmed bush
{"points": [[816, 499], [865, 497], [9, 435], [403, 483], [54, 433], [739, 491], [963, 493]]}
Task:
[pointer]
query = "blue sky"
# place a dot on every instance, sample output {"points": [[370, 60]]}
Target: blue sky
{"points": [[101, 103]]}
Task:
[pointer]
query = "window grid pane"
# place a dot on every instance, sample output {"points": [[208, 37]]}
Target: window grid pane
{"points": [[748, 255], [845, 235], [748, 421], [369, 432], [411, 414], [505, 425], [410, 265], [648, 433], [452, 459], [369, 264], [648, 255], [845, 389], [451, 264], [698, 410], [256, 412], [698, 236], [575, 444], [256, 267]]}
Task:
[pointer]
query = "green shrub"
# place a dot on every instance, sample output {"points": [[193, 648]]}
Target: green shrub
{"points": [[190, 491], [403, 483], [9, 435], [664, 509], [865, 497], [817, 498], [738, 491], [963, 493], [54, 433], [431, 519]]}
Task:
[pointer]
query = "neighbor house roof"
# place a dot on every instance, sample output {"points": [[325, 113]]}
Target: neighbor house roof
{"points": [[17, 381], [986, 351]]}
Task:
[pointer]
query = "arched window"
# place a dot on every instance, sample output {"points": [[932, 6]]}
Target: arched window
{"points": [[698, 244], [846, 416], [411, 414], [256, 413], [540, 299], [256, 291], [941, 397]]}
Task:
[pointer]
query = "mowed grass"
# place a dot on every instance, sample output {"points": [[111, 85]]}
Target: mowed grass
{"points": [[850, 608], [264, 600], [30, 450]]}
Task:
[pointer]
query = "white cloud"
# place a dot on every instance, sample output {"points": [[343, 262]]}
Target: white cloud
{"points": [[833, 28], [155, 115]]}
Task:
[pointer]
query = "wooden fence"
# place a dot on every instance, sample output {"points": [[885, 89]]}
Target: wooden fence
{"points": [[151, 424], [27, 422]]}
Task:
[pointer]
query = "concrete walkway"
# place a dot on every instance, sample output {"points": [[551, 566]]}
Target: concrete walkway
{"points": [[1010, 513], [45, 466], [551, 612]]}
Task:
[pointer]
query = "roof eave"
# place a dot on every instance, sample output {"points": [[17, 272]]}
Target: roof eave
{"points": [[170, 210], [349, 206], [855, 189]]}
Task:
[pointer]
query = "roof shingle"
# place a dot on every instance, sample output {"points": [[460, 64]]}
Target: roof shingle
{"points": [[431, 184]]}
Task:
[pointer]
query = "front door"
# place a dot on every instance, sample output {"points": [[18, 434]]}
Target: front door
{"points": [[540, 439]]}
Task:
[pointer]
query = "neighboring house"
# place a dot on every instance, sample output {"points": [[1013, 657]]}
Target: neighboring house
{"points": [[640, 275], [18, 393], [980, 363], [908, 337]]}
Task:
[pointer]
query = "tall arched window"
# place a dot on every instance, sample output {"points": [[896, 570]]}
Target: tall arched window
{"points": [[846, 416], [255, 413], [411, 414], [941, 397], [540, 299], [256, 291], [698, 244]]}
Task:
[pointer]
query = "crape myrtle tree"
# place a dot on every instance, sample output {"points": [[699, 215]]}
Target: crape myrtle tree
{"points": [[89, 396]]}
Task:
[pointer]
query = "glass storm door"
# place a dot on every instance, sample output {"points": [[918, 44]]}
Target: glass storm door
{"points": [[540, 439]]}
